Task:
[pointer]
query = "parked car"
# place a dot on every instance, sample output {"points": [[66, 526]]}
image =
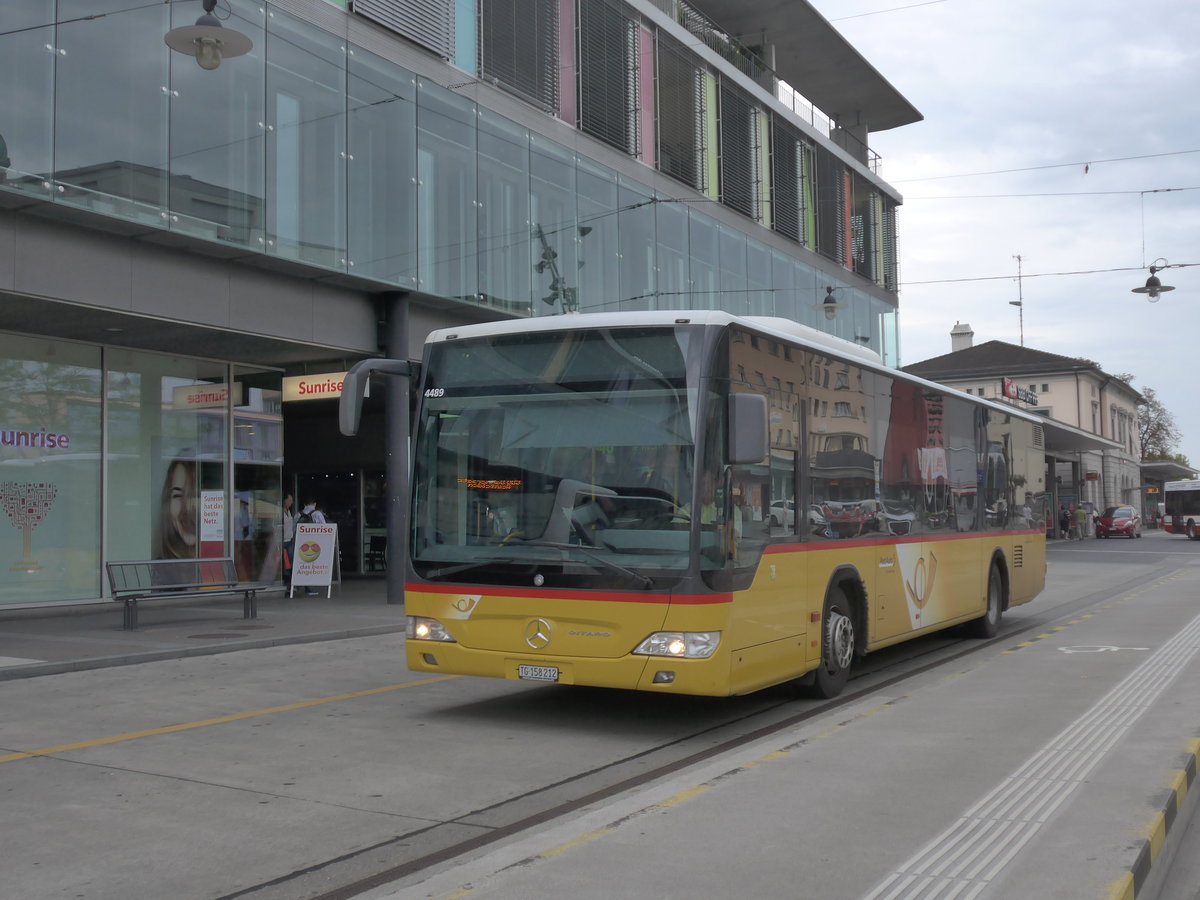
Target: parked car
{"points": [[781, 512], [1119, 520]]}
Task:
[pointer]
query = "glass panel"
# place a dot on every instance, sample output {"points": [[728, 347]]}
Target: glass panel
{"points": [[217, 136], [758, 299], [27, 95], [504, 235], [382, 178], [842, 458], [306, 145], [733, 269], [49, 470], [907, 467], [167, 446], [674, 285], [783, 282], [808, 296], [704, 240], [599, 260], [635, 224], [110, 141], [557, 235], [446, 194], [257, 474]]}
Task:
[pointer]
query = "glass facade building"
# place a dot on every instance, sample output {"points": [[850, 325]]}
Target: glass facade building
{"points": [[494, 158]]}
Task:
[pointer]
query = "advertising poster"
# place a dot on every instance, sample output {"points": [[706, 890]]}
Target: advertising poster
{"points": [[212, 523], [315, 557]]}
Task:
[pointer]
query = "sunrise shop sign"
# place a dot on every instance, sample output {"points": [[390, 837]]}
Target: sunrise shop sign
{"points": [[327, 386]]}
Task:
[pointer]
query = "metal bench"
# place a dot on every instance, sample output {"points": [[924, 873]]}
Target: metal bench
{"points": [[161, 579]]}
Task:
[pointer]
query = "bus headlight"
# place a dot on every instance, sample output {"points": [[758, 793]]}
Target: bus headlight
{"points": [[680, 644], [420, 628]]}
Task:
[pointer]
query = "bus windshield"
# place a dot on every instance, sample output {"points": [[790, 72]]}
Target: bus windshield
{"points": [[556, 458]]}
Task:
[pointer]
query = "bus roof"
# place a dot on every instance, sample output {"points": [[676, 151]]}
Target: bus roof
{"points": [[773, 326], [784, 328]]}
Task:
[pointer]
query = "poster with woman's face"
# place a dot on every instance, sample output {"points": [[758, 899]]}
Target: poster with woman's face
{"points": [[177, 531]]}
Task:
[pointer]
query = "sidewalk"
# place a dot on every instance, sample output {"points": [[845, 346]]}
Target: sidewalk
{"points": [[65, 639]]}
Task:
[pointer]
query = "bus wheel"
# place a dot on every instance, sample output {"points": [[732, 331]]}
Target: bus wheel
{"points": [[988, 624], [837, 645]]}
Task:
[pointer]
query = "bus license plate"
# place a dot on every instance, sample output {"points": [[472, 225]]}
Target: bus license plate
{"points": [[538, 673]]}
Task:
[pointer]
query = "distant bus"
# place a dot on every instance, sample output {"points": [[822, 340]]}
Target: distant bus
{"points": [[698, 503], [1182, 502]]}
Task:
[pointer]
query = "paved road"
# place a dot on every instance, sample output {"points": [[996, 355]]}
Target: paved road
{"points": [[292, 770]]}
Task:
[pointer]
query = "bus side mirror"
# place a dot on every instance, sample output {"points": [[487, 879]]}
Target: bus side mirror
{"points": [[747, 429], [354, 387]]}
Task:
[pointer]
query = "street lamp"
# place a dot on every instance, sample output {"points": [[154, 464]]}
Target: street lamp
{"points": [[207, 40], [1154, 285], [829, 305]]}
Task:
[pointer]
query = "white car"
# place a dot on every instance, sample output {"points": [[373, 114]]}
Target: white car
{"points": [[783, 513]]}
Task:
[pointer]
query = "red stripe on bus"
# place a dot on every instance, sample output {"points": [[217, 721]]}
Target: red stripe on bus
{"points": [[603, 596]]}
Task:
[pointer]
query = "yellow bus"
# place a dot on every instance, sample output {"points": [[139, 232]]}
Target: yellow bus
{"points": [[700, 503]]}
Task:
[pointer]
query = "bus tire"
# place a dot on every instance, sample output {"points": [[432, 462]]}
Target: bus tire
{"points": [[988, 624], [837, 644]]}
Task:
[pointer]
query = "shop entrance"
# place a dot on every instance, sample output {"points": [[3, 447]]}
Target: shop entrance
{"points": [[356, 503]]}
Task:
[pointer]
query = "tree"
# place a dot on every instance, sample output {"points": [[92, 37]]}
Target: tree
{"points": [[1156, 427]]}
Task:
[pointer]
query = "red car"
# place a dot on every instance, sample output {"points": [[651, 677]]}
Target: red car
{"points": [[1119, 520]]}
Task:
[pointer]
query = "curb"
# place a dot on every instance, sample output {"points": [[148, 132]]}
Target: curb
{"points": [[1160, 843], [34, 670]]}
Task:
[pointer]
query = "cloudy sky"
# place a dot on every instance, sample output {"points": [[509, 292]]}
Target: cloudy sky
{"points": [[1063, 132]]}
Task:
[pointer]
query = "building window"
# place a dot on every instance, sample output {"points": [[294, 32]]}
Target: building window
{"points": [[608, 75]]}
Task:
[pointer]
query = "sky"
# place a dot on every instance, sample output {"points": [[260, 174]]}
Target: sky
{"points": [[1065, 133]]}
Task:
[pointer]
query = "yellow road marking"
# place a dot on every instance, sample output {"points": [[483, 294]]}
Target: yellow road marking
{"points": [[219, 720]]}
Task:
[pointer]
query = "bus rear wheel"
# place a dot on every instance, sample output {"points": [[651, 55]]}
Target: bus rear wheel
{"points": [[988, 624], [837, 645]]}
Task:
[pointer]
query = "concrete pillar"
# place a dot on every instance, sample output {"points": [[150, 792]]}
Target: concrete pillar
{"points": [[393, 340]]}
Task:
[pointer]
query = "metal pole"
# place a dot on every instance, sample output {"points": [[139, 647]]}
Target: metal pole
{"points": [[1020, 304]]}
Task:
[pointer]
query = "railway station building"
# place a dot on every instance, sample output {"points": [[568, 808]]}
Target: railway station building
{"points": [[211, 209]]}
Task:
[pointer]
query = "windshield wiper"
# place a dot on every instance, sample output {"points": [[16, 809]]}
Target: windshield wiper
{"points": [[646, 581]]}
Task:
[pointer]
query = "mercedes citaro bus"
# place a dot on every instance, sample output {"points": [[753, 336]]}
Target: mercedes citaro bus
{"points": [[596, 500]]}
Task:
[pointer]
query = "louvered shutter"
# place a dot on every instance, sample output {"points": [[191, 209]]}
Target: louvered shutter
{"points": [[608, 107], [518, 48], [429, 23], [785, 161], [830, 205], [739, 152], [680, 116]]}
